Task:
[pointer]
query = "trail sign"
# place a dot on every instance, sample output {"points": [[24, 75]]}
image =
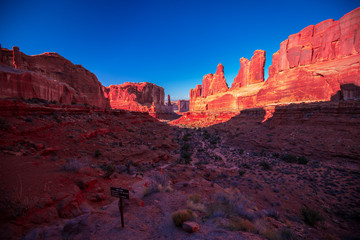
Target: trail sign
{"points": [[121, 194]]}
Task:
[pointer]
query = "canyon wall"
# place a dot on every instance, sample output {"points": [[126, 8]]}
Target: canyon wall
{"points": [[311, 65], [141, 97], [51, 77], [53, 67]]}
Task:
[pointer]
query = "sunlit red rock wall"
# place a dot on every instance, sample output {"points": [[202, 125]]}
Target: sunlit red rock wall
{"points": [[49, 76], [135, 96], [311, 65]]}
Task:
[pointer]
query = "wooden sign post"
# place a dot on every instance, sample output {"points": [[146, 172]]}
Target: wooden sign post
{"points": [[120, 193]]}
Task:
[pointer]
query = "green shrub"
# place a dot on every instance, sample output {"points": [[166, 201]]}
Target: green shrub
{"points": [[181, 216], [311, 216]]}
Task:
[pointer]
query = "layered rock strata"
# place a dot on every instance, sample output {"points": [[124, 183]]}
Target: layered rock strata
{"points": [[311, 65]]}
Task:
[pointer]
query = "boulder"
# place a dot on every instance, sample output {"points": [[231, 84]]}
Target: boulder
{"points": [[190, 227]]}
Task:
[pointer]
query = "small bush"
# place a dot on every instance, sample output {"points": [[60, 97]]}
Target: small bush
{"points": [[97, 153], [186, 137], [242, 172], [276, 155], [302, 160], [108, 170], [195, 198], [241, 224], [227, 205], [311, 216], [241, 151], [289, 158], [181, 216], [287, 234], [265, 165], [158, 182]]}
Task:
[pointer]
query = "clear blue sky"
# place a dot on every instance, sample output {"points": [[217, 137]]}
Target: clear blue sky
{"points": [[170, 43]]}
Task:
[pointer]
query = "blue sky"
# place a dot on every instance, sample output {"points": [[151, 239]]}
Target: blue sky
{"points": [[170, 43]]}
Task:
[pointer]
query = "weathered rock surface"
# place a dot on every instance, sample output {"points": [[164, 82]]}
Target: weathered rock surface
{"points": [[54, 67], [135, 96], [311, 65], [214, 83], [190, 227], [51, 77]]}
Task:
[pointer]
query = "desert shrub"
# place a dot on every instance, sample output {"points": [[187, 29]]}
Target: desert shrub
{"points": [[194, 198], [157, 182], [185, 147], [108, 169], [206, 135], [73, 165], [302, 160], [181, 216], [97, 153], [245, 165], [4, 125], [231, 205], [311, 216], [240, 224], [272, 212], [186, 137], [287, 234], [242, 172], [265, 165], [276, 155], [241, 151], [289, 158]]}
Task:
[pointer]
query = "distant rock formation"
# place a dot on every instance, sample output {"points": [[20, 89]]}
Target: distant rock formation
{"points": [[48, 76], [137, 97], [51, 77], [311, 65]]}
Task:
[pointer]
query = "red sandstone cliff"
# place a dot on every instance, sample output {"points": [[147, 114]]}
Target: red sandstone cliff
{"points": [[136, 96], [311, 65], [51, 77], [53, 67]]}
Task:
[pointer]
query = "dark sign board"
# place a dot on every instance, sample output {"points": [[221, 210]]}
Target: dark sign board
{"points": [[119, 192]]}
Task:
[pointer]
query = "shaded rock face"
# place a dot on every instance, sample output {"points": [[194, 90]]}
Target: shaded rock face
{"points": [[311, 65], [183, 105], [85, 87], [135, 96]]}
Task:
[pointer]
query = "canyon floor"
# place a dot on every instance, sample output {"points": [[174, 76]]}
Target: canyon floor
{"points": [[294, 176]]}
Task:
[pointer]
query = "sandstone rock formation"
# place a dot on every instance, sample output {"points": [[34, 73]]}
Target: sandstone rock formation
{"points": [[55, 67], [51, 77], [214, 83], [250, 72], [311, 65]]}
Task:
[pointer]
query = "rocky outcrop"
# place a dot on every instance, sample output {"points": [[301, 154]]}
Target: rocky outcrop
{"points": [[51, 77], [214, 83], [250, 72], [53, 67], [135, 96], [311, 65], [17, 83], [183, 105]]}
